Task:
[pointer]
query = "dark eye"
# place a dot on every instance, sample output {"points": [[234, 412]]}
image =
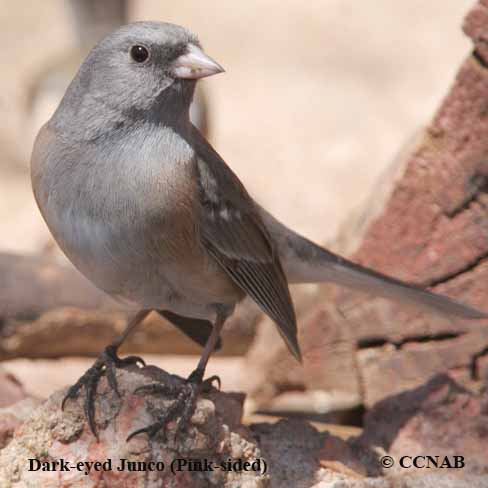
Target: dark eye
{"points": [[139, 53]]}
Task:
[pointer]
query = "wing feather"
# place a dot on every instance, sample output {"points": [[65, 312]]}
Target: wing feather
{"points": [[233, 233]]}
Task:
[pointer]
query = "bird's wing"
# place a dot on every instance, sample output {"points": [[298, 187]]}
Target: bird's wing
{"points": [[233, 233]]}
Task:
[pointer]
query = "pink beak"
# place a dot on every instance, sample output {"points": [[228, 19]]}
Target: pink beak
{"points": [[195, 64]]}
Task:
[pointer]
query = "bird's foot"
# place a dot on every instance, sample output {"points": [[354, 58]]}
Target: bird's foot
{"points": [[186, 396], [106, 363]]}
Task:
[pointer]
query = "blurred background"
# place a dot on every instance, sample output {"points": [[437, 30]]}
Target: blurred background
{"points": [[316, 100]]}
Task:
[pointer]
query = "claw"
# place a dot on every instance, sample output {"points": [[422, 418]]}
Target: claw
{"points": [[112, 378], [106, 364], [111, 352], [154, 389], [72, 392], [133, 360], [160, 425], [89, 404], [185, 402], [208, 383], [188, 407], [137, 432]]}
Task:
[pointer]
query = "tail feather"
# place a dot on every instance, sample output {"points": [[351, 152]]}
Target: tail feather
{"points": [[306, 262]]}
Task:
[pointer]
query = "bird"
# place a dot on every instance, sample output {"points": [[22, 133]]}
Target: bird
{"points": [[148, 211], [91, 20]]}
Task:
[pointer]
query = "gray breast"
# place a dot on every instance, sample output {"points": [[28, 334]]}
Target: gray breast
{"points": [[100, 200]]}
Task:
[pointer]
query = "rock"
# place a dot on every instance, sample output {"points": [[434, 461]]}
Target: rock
{"points": [[42, 377], [42, 298], [426, 223], [11, 390], [14, 416], [50, 434], [328, 374], [298, 455], [440, 418], [15, 405], [418, 480], [387, 369]]}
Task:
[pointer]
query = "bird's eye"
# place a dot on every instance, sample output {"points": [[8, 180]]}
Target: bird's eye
{"points": [[139, 53]]}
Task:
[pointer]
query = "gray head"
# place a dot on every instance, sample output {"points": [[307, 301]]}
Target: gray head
{"points": [[144, 70]]}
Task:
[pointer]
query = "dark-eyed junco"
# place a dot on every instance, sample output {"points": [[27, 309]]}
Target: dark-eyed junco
{"points": [[149, 212]]}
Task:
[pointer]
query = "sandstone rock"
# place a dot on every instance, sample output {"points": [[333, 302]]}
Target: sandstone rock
{"points": [[440, 418], [328, 374], [292, 453], [49, 434], [427, 223], [42, 299], [389, 370], [15, 405], [42, 377], [298, 455], [417, 480], [14, 416], [11, 390]]}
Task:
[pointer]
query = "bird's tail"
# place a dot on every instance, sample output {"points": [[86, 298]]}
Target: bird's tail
{"points": [[306, 262]]}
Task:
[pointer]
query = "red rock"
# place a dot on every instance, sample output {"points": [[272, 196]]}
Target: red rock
{"points": [[13, 417], [50, 434], [426, 223], [440, 418], [11, 390], [298, 455]]}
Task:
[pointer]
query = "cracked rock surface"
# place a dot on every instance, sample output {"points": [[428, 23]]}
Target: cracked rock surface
{"points": [[439, 418], [426, 222], [50, 434]]}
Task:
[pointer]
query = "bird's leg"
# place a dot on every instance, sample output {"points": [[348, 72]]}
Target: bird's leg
{"points": [[106, 363], [196, 377], [186, 397]]}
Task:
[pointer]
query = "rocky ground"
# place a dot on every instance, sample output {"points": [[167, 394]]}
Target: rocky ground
{"points": [[440, 418], [318, 98]]}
